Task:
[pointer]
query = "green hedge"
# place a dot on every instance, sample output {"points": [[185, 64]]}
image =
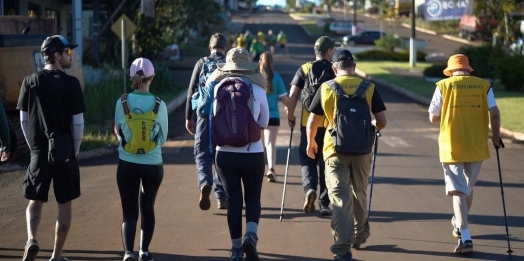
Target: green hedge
{"points": [[435, 70], [510, 71], [389, 56]]}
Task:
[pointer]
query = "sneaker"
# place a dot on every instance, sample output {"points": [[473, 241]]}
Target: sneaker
{"points": [[309, 204], [31, 250], [146, 257], [347, 257], [62, 258], [129, 256], [357, 245], [271, 176], [456, 231], [464, 247], [204, 202], [237, 254], [222, 203], [250, 246], [325, 211]]}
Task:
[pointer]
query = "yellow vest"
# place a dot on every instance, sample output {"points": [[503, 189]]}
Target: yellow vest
{"points": [[464, 119], [329, 104], [305, 113]]}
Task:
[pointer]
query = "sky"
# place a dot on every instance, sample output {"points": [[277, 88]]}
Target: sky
{"points": [[271, 2]]}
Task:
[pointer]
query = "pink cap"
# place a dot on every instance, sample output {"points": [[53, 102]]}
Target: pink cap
{"points": [[144, 65]]}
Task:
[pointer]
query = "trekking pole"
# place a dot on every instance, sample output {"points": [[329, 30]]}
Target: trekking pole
{"points": [[502, 193], [373, 170], [285, 176]]}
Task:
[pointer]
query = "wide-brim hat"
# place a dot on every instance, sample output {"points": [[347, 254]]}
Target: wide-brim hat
{"points": [[238, 59], [457, 62]]}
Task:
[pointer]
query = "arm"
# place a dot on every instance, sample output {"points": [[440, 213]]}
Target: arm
{"points": [[292, 104], [435, 106], [380, 120], [494, 118], [5, 137], [163, 121], [78, 131], [193, 86], [263, 118], [311, 130], [24, 116]]}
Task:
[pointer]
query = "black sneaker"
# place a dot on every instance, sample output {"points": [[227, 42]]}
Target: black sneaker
{"points": [[309, 203], [325, 211], [250, 246], [456, 231], [222, 203], [146, 257], [347, 257], [237, 254], [357, 245], [31, 250], [465, 247], [204, 202]]}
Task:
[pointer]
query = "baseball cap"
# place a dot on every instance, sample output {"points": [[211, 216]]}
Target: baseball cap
{"points": [[142, 67], [325, 43], [56, 43], [345, 55]]}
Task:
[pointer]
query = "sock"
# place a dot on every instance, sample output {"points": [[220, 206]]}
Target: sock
{"points": [[464, 235], [143, 253], [237, 242], [252, 227]]}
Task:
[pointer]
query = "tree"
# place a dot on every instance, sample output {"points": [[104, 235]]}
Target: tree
{"points": [[499, 10]]}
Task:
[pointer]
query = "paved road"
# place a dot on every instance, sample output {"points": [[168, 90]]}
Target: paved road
{"points": [[409, 219]]}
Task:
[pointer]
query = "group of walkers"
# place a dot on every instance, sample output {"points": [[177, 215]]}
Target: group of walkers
{"points": [[260, 43], [232, 110]]}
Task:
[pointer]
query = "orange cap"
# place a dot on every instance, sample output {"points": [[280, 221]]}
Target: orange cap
{"points": [[457, 62]]}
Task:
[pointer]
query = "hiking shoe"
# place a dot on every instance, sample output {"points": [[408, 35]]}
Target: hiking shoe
{"points": [[31, 250], [309, 204], [250, 246], [204, 202], [222, 203], [357, 245], [347, 257], [62, 258], [464, 247], [271, 176], [129, 256], [237, 254], [456, 231], [146, 257], [325, 211]]}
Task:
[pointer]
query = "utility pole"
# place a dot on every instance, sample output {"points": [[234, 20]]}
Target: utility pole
{"points": [[412, 47], [354, 27]]}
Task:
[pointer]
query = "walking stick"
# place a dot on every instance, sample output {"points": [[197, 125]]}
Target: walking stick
{"points": [[285, 176], [377, 135], [502, 193]]}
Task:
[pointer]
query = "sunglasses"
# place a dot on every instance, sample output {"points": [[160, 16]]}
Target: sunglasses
{"points": [[68, 51]]}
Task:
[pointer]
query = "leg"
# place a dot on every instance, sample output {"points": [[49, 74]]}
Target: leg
{"points": [[128, 180], [309, 173], [270, 140], [63, 224], [226, 168], [151, 176], [360, 169], [323, 198], [342, 219], [204, 161], [33, 215]]}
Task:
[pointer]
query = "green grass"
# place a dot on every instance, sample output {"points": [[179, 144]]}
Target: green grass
{"points": [[509, 103], [311, 27], [440, 27]]}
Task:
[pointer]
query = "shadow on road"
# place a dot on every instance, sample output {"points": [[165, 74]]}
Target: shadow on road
{"points": [[438, 182]]}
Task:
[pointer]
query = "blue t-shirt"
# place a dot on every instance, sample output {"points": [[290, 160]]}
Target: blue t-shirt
{"points": [[141, 102], [272, 98]]}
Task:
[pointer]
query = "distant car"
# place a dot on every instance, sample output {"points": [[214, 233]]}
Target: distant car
{"points": [[340, 27], [363, 37]]}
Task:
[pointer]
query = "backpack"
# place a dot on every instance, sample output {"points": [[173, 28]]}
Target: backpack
{"points": [[140, 125], [353, 133], [324, 73], [209, 66], [233, 122]]}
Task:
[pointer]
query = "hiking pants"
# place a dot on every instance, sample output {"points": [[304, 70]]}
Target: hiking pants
{"points": [[204, 157], [237, 169], [311, 177]]}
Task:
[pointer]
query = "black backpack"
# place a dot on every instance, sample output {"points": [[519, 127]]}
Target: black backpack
{"points": [[324, 73], [353, 133]]}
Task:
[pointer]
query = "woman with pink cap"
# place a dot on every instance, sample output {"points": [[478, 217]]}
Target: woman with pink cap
{"points": [[141, 121]]}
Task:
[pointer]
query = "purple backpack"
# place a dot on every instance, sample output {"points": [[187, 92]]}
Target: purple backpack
{"points": [[233, 122]]}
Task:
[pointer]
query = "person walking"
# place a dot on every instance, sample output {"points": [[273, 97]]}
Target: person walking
{"points": [[51, 105], [282, 41], [462, 103], [140, 166], [243, 165], [5, 137], [346, 174], [204, 149], [271, 40], [309, 74], [257, 48], [275, 92]]}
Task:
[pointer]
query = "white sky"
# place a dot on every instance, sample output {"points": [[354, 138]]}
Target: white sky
{"points": [[271, 2]]}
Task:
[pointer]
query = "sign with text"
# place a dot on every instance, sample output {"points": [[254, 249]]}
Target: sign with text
{"points": [[438, 10]]}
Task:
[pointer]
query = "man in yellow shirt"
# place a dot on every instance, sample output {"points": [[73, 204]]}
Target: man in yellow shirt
{"points": [[461, 104], [346, 175]]}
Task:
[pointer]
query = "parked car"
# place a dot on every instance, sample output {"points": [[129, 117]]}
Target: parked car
{"points": [[340, 27], [367, 36]]}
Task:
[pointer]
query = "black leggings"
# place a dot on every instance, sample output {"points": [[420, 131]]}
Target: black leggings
{"points": [[234, 169], [128, 177]]}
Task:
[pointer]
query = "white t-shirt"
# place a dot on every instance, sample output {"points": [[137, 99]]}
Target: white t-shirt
{"points": [[261, 115], [436, 103]]}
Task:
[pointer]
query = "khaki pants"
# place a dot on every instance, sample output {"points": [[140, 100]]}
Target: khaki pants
{"points": [[347, 182]]}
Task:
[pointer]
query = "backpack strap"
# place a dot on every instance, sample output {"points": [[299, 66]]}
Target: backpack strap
{"points": [[158, 101], [125, 105], [335, 87], [361, 89]]}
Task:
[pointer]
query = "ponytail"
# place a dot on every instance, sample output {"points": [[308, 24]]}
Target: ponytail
{"points": [[137, 81], [266, 68]]}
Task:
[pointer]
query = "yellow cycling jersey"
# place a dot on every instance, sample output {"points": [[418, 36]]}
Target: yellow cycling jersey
{"points": [[464, 119], [140, 125]]}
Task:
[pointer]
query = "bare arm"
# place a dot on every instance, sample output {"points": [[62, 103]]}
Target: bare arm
{"points": [[380, 120], [434, 118], [494, 116], [311, 131], [292, 104]]}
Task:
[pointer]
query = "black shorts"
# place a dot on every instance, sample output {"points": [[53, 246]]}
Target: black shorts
{"points": [[282, 45], [65, 177], [274, 122]]}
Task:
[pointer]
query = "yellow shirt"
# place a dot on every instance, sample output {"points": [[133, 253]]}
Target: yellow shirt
{"points": [[305, 114], [464, 119], [329, 104]]}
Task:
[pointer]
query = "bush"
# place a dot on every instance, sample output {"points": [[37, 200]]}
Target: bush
{"points": [[509, 71], [388, 42], [435, 70], [482, 59], [381, 55], [308, 8]]}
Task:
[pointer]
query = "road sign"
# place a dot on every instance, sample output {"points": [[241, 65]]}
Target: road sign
{"points": [[129, 27]]}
